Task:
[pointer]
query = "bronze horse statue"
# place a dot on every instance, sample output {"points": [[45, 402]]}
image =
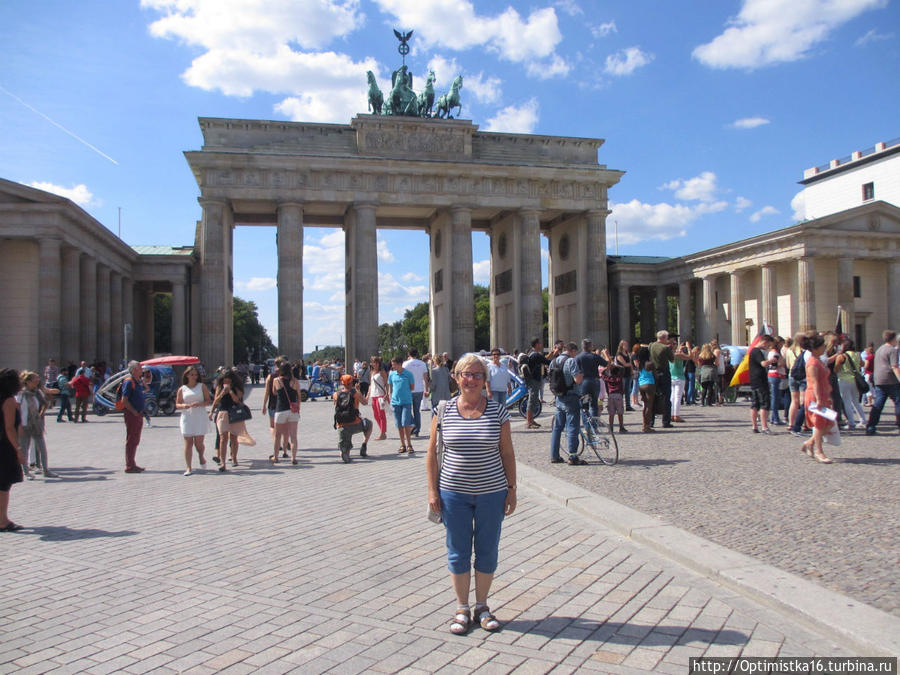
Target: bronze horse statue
{"points": [[426, 98], [450, 100], [376, 98]]}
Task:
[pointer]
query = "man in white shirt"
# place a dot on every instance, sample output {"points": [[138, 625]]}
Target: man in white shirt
{"points": [[420, 372]]}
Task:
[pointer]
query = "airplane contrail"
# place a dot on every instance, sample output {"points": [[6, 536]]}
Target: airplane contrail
{"points": [[57, 124]]}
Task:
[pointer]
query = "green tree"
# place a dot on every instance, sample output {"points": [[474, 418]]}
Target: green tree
{"points": [[545, 314], [411, 331], [327, 353], [482, 318], [251, 340], [162, 323]]}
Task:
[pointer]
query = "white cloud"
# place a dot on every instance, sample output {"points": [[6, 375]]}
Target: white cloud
{"points": [[257, 284], [249, 48], [515, 119], [604, 29], [484, 89], [481, 272], [409, 277], [638, 221], [570, 7], [254, 26], [554, 67], [798, 206], [764, 211], [626, 61], [392, 292], [767, 32], [742, 203], [749, 122], [454, 24], [872, 36], [323, 262], [384, 253], [699, 188], [78, 193]]}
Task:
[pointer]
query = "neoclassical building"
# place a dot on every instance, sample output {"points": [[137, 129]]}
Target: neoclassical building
{"points": [[847, 256], [72, 290]]}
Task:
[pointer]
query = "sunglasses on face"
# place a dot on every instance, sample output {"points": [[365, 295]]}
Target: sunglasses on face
{"points": [[472, 376]]}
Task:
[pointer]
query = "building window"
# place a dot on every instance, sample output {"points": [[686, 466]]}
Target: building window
{"points": [[857, 287], [868, 191]]}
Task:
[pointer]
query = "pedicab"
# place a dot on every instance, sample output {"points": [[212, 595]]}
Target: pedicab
{"points": [[163, 387]]}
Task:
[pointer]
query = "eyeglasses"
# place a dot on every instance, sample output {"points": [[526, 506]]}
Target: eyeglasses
{"points": [[472, 376]]}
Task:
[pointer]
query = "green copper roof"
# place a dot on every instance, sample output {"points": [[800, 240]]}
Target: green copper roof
{"points": [[636, 259], [164, 250]]}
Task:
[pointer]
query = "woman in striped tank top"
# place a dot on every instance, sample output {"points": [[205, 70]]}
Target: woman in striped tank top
{"points": [[473, 490]]}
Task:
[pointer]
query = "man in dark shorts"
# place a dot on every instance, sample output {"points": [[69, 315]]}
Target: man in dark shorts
{"points": [[535, 364], [354, 423], [759, 383]]}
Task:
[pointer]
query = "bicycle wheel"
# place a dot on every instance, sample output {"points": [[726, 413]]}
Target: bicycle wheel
{"points": [[600, 438], [523, 408]]}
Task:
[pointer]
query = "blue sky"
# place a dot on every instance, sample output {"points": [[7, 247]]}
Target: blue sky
{"points": [[713, 109]]}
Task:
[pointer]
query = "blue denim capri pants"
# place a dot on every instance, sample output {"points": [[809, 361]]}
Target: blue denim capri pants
{"points": [[472, 519], [403, 415]]}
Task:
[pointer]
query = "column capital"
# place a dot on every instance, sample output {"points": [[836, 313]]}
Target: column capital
{"points": [[209, 201], [597, 213], [364, 205], [460, 208]]}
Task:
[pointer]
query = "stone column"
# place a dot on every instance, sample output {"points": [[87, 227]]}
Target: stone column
{"points": [[461, 294], [738, 334], [893, 295], [769, 297], [806, 298], [128, 350], [179, 317], [50, 301], [710, 311], [684, 310], [594, 281], [88, 309], [529, 291], [290, 279], [103, 313], [115, 318], [216, 323], [149, 323], [625, 329], [362, 283], [647, 319], [70, 312], [662, 309], [845, 293]]}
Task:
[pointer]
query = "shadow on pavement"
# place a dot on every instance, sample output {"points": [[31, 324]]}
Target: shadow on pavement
{"points": [[650, 462], [632, 633], [80, 474], [866, 460], [63, 533]]}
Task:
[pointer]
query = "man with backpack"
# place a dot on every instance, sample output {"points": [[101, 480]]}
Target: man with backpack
{"points": [[347, 419], [564, 377]]}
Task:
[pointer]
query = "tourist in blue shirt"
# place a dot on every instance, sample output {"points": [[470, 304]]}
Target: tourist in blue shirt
{"points": [[133, 399], [568, 410], [400, 386]]}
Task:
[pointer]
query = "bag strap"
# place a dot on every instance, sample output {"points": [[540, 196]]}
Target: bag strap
{"points": [[439, 447]]}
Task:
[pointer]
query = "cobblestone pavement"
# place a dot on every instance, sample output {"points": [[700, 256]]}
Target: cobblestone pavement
{"points": [[759, 495], [331, 567]]}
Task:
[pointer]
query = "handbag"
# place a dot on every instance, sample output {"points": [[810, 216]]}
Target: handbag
{"points": [[239, 413], [439, 451], [861, 385]]}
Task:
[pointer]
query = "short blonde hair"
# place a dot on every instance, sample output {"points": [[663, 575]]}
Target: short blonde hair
{"points": [[466, 361], [26, 375]]}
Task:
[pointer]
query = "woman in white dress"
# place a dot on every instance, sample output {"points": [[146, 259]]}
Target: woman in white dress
{"points": [[192, 399]]}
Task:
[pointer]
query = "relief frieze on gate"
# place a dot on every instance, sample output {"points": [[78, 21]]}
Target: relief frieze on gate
{"points": [[433, 184]]}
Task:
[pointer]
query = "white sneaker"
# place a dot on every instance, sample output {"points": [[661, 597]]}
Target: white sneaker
{"points": [[188, 473], [203, 466]]}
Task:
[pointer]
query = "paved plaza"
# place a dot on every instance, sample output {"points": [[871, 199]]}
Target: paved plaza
{"points": [[331, 567]]}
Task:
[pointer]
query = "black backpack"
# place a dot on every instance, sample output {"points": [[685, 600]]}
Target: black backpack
{"points": [[344, 412], [556, 379], [798, 370]]}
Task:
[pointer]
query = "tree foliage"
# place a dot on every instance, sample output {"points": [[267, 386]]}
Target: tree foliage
{"points": [[482, 317], [251, 340], [327, 353]]}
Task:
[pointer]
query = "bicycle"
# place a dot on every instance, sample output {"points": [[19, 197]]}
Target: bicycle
{"points": [[597, 435]]}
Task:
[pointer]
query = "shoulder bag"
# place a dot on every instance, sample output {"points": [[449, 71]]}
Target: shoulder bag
{"points": [[439, 452], [239, 413]]}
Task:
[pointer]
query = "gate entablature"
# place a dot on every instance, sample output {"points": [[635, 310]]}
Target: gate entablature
{"points": [[405, 172]]}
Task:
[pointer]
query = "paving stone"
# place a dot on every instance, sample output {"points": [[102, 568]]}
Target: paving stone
{"points": [[336, 580]]}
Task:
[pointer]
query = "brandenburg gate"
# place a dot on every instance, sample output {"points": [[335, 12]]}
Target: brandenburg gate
{"points": [[438, 175]]}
